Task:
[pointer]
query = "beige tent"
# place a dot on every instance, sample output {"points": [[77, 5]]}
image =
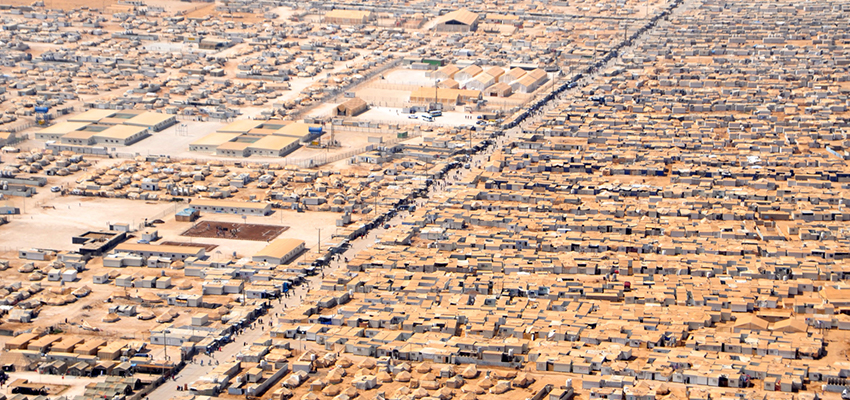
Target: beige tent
{"points": [[351, 108]]}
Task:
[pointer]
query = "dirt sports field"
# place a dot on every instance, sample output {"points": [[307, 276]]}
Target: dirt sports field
{"points": [[233, 230]]}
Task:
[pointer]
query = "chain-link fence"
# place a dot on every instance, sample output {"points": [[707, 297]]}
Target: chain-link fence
{"points": [[17, 126]]}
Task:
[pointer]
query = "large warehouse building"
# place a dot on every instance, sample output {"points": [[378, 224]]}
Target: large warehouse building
{"points": [[461, 20], [262, 138], [280, 251]]}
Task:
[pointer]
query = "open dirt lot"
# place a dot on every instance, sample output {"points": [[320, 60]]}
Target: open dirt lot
{"points": [[202, 11], [394, 115], [175, 140], [384, 97], [172, 6], [69, 387], [232, 230], [406, 76], [349, 139], [67, 216]]}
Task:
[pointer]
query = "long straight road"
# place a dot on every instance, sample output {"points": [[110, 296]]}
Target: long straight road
{"points": [[195, 370]]}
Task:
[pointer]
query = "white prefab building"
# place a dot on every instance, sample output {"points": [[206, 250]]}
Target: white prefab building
{"points": [[54, 275], [69, 275], [232, 207], [172, 252]]}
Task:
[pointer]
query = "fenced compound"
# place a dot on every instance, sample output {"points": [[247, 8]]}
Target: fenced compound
{"points": [[23, 124], [332, 95], [18, 139], [395, 86], [339, 129], [17, 126]]}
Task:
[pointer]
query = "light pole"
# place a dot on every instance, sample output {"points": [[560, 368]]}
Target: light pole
{"points": [[436, 99], [165, 346], [244, 298], [319, 247]]}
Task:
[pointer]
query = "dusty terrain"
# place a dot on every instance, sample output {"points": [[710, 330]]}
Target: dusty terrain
{"points": [[230, 230]]}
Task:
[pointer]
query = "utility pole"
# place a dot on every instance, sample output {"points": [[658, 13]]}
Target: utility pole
{"points": [[164, 347], [319, 247], [436, 81], [244, 299]]}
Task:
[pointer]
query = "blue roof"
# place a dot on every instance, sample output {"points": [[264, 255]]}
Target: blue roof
{"points": [[186, 212]]}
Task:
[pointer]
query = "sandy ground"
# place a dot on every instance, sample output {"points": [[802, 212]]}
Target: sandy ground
{"points": [[174, 6], [173, 141], [199, 10], [394, 115], [76, 386], [170, 47], [382, 96], [46, 216], [65, 4], [67, 216], [36, 49], [407, 76], [350, 139], [323, 110]]}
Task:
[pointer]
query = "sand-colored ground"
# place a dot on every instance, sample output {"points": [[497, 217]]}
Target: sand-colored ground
{"points": [[55, 221], [65, 4]]}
